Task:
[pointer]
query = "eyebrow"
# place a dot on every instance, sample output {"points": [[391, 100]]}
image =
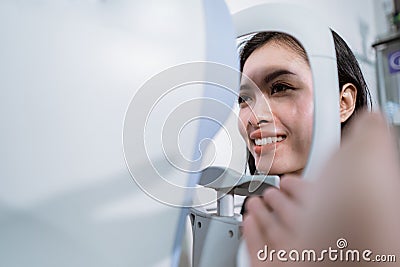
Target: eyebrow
{"points": [[244, 87], [270, 77], [275, 74]]}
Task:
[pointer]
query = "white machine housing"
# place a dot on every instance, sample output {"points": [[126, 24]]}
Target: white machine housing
{"points": [[315, 36]]}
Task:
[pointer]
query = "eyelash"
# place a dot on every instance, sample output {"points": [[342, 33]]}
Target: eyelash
{"points": [[276, 88], [242, 99], [280, 87]]}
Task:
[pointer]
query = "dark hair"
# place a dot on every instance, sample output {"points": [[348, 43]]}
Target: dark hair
{"points": [[348, 68]]}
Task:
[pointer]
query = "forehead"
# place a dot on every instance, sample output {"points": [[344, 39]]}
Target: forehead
{"points": [[272, 55]]}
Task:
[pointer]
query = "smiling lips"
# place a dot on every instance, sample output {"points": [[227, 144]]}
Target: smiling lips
{"points": [[267, 140], [261, 143]]}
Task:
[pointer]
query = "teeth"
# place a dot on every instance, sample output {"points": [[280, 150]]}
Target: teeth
{"points": [[268, 140]]}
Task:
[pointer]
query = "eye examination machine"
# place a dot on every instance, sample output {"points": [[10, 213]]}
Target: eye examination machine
{"points": [[215, 233], [216, 236]]}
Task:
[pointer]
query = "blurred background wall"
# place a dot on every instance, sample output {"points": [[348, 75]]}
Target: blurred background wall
{"points": [[68, 71]]}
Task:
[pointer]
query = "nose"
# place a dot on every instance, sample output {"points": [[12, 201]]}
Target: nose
{"points": [[260, 113]]}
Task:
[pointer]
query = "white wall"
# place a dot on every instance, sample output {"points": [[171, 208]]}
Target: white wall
{"points": [[68, 71]]}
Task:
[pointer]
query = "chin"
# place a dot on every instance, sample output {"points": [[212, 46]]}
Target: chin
{"points": [[264, 166], [276, 168], [285, 170]]}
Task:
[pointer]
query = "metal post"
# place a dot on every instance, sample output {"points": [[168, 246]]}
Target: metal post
{"points": [[225, 204]]}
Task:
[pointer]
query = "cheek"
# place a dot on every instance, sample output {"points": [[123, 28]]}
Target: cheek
{"points": [[307, 112], [298, 116], [302, 120]]}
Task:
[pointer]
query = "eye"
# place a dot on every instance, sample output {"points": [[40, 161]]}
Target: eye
{"points": [[280, 87], [243, 100]]}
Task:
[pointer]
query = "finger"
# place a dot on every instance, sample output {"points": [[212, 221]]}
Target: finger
{"points": [[295, 188], [283, 207], [253, 236], [262, 215]]}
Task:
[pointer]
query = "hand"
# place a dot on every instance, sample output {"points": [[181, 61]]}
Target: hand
{"points": [[354, 197], [272, 219]]}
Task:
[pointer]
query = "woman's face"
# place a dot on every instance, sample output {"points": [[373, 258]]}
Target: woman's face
{"points": [[276, 118]]}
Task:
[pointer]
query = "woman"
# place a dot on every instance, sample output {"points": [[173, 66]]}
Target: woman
{"points": [[278, 65], [275, 120]]}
